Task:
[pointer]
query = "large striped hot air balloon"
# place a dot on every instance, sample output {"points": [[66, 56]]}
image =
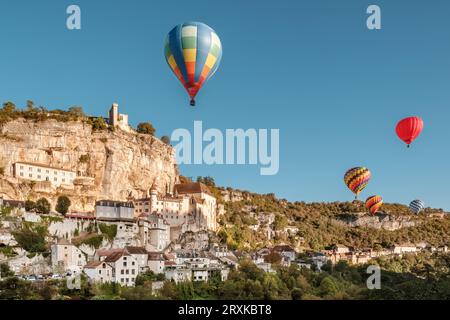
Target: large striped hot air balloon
{"points": [[416, 206], [374, 203], [193, 51], [409, 129], [357, 179]]}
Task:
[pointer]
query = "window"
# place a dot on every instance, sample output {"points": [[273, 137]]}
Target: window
{"points": [[47, 171], [132, 263], [39, 170], [99, 271], [47, 179], [128, 271], [132, 271], [30, 169], [21, 174], [30, 175], [63, 180], [55, 179], [39, 177], [21, 167], [124, 264], [121, 280], [122, 272]]}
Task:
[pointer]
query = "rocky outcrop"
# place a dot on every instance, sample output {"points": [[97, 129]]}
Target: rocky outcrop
{"points": [[112, 165], [378, 221]]}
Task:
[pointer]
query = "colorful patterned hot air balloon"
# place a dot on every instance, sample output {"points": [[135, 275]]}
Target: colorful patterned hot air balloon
{"points": [[416, 206], [357, 179], [374, 203], [409, 129], [193, 51]]}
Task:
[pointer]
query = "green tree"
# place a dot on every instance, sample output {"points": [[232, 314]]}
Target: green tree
{"points": [[63, 204], [30, 205], [76, 112], [9, 108], [146, 128], [43, 206]]}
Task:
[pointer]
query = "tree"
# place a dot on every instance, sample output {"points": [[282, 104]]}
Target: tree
{"points": [[30, 205], [209, 181], [146, 128], [43, 206], [165, 139], [273, 257], [76, 111], [9, 107], [63, 204]]}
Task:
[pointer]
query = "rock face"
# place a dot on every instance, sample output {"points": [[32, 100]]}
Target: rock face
{"points": [[378, 221], [113, 165]]}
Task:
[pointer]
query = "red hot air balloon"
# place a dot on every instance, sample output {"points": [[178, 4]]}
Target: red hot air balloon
{"points": [[409, 129]]}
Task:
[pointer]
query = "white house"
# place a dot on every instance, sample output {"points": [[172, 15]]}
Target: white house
{"points": [[125, 268], [155, 262], [41, 172], [67, 256], [99, 271]]}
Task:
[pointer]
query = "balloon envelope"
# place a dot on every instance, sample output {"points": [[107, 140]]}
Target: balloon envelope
{"points": [[193, 51], [374, 203], [416, 206], [357, 179], [409, 129]]}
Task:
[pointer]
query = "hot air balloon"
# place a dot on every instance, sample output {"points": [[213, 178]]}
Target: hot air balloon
{"points": [[416, 206], [374, 203], [193, 51], [409, 129], [357, 179]]}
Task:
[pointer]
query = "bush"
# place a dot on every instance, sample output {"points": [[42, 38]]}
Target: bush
{"points": [[63, 204], [31, 240], [110, 231], [165, 139], [30, 205], [98, 124], [94, 241], [146, 128], [84, 158], [43, 206]]}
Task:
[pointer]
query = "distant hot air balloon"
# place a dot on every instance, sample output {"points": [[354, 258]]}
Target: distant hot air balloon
{"points": [[374, 203], [357, 179], [409, 129], [416, 206], [193, 51]]}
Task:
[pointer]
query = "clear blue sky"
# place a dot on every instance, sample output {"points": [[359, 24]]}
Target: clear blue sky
{"points": [[310, 68]]}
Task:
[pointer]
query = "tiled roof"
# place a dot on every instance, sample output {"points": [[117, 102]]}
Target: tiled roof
{"points": [[93, 264], [107, 252], [191, 187], [116, 256], [136, 250]]}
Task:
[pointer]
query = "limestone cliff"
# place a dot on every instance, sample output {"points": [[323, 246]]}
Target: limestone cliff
{"points": [[112, 165], [378, 221]]}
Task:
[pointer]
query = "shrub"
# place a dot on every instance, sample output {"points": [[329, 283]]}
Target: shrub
{"points": [[166, 140], [30, 205], [110, 231], [63, 204], [84, 158], [43, 206], [94, 241], [98, 124], [30, 240], [146, 128]]}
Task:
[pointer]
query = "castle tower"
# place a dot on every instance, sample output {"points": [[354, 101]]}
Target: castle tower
{"points": [[114, 115]]}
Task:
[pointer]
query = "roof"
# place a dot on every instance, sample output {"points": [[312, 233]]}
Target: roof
{"points": [[93, 264], [107, 252], [43, 166], [192, 187], [155, 256], [64, 242], [13, 203], [116, 256], [136, 250], [111, 203], [282, 248]]}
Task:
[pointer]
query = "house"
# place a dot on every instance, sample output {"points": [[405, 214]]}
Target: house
{"points": [[107, 210], [404, 248], [141, 256], [125, 267], [338, 248], [287, 253], [40, 172], [155, 262], [177, 273], [154, 231], [266, 267], [99, 271], [66, 256]]}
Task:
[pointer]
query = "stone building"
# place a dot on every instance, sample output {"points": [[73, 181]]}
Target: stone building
{"points": [[40, 172], [117, 119]]}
